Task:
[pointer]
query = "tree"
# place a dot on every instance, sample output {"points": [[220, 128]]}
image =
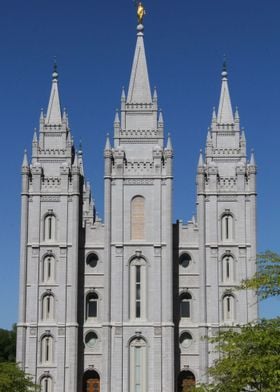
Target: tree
{"points": [[13, 379], [267, 279], [8, 345]]}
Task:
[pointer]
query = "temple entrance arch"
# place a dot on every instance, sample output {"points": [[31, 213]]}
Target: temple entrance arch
{"points": [[91, 381], [186, 381]]}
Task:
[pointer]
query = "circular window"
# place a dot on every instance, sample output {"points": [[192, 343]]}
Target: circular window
{"points": [[91, 339], [185, 260], [92, 260], [186, 339]]}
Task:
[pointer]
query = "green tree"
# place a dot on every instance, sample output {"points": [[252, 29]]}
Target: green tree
{"points": [[13, 379], [8, 345], [267, 279]]}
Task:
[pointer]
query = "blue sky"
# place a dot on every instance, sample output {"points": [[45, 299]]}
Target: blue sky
{"points": [[93, 42]]}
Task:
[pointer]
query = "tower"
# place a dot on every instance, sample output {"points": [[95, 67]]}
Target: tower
{"points": [[217, 249]]}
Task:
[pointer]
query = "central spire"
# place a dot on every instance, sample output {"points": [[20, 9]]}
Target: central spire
{"points": [[54, 111], [225, 114], [139, 86]]}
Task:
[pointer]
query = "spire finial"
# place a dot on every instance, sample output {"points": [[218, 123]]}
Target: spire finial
{"points": [[55, 73], [141, 12], [224, 71]]}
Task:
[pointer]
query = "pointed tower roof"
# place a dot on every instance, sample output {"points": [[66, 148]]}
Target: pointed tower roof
{"points": [[54, 110], [200, 160], [25, 159], [225, 114], [108, 143], [252, 159], [139, 86]]}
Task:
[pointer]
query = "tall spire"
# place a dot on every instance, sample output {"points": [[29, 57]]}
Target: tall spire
{"points": [[54, 110], [139, 86], [225, 114]]}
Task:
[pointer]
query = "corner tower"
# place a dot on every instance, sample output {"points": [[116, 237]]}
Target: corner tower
{"points": [[138, 242]]}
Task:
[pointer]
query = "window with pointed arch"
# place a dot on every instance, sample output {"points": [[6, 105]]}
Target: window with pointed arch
{"points": [[48, 270], [185, 305], [138, 288], [228, 307], [91, 305], [138, 365], [47, 307], [50, 227], [228, 268], [47, 349], [137, 220], [227, 227], [46, 384]]}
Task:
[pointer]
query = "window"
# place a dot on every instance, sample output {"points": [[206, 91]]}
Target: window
{"points": [[48, 269], [185, 340], [49, 227], [46, 384], [138, 218], [91, 305], [138, 289], [47, 307], [228, 268], [91, 339], [46, 349], [185, 305], [185, 260], [228, 307], [92, 260], [227, 227], [138, 365], [186, 381]]}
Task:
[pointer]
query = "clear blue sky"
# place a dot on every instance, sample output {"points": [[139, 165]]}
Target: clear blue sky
{"points": [[94, 43]]}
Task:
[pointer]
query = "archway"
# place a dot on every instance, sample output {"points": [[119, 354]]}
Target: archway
{"points": [[186, 381], [91, 382]]}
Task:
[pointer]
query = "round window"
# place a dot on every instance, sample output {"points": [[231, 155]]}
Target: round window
{"points": [[186, 339], [92, 260], [185, 260], [91, 339]]}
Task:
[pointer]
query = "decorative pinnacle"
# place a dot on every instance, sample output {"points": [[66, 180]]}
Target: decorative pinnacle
{"points": [[141, 12]]}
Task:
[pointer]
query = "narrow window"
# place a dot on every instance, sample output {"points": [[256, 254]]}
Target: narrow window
{"points": [[48, 269], [49, 228], [138, 364], [46, 384], [185, 305], [91, 305], [228, 307], [138, 289], [138, 218], [227, 227], [228, 268], [47, 307], [46, 349]]}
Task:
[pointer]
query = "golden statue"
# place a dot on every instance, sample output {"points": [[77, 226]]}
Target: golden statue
{"points": [[140, 12]]}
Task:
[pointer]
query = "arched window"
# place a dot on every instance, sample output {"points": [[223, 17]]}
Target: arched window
{"points": [[185, 260], [48, 274], [186, 381], [138, 288], [91, 305], [91, 381], [91, 339], [138, 218], [47, 307], [138, 365], [46, 349], [49, 227], [46, 384], [227, 227], [228, 268], [185, 305], [228, 307]]}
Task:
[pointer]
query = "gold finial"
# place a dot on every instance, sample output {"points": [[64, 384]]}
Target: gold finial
{"points": [[140, 12]]}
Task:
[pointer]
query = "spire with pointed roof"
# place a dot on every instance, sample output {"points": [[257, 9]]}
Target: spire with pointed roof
{"points": [[225, 114], [200, 160], [108, 143], [54, 110], [25, 160], [139, 86]]}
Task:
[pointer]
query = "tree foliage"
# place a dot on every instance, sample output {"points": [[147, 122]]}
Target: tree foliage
{"points": [[13, 379], [267, 279], [249, 359], [8, 345]]}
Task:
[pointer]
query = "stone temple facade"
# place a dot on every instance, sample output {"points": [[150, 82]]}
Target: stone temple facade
{"points": [[123, 305]]}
